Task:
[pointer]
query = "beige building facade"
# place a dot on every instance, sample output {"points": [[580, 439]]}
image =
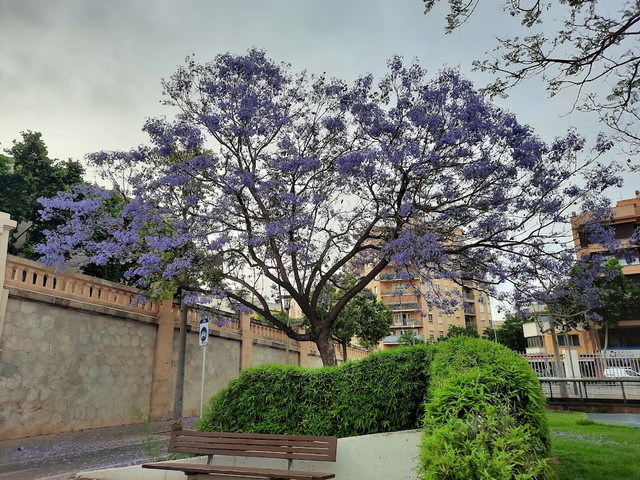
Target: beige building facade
{"points": [[625, 221], [406, 294]]}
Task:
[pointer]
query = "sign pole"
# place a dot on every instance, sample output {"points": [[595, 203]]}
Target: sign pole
{"points": [[204, 364], [203, 340]]}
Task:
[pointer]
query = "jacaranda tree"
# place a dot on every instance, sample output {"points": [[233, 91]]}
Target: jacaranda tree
{"points": [[272, 179]]}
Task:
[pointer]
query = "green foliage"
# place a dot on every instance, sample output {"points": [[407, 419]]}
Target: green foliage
{"points": [[490, 446], [365, 317], [381, 393], [25, 176], [410, 338], [510, 334], [619, 295], [456, 331], [484, 416], [481, 406], [586, 450]]}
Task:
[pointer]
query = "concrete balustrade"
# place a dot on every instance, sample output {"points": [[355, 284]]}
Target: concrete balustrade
{"points": [[33, 276]]}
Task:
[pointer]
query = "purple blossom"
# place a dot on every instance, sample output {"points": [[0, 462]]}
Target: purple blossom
{"points": [[311, 177]]}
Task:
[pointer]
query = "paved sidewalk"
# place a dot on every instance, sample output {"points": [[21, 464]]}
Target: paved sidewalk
{"points": [[61, 455], [628, 419]]}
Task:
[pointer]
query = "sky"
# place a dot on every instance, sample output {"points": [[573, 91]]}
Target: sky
{"points": [[87, 73]]}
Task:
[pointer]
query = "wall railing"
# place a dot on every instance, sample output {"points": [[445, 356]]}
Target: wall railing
{"points": [[32, 276]]}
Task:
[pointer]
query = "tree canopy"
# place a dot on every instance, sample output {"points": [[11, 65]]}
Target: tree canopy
{"points": [[466, 331], [365, 317], [269, 178], [509, 334], [25, 175], [570, 43], [606, 298]]}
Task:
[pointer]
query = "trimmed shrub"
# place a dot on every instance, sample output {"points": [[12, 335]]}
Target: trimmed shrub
{"points": [[381, 393], [484, 416], [480, 404]]}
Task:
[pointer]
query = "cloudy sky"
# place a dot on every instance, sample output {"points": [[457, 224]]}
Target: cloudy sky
{"points": [[86, 73]]}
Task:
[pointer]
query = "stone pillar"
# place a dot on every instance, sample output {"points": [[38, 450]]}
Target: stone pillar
{"points": [[6, 225], [161, 406], [305, 347], [246, 348]]}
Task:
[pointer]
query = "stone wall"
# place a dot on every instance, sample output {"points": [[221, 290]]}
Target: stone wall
{"points": [[222, 365], [78, 352], [66, 369]]}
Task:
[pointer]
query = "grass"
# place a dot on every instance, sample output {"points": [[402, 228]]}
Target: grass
{"points": [[586, 450]]}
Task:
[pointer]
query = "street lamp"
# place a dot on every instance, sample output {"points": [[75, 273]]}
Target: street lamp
{"points": [[286, 305]]}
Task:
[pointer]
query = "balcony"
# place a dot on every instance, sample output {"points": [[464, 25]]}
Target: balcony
{"points": [[395, 339], [390, 276], [396, 307], [411, 324], [393, 292], [470, 311]]}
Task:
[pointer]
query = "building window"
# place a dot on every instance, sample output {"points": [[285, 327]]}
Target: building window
{"points": [[535, 342], [584, 240], [430, 317], [569, 340], [440, 318], [432, 338]]}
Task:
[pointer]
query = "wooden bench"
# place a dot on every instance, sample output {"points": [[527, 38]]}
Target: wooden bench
{"points": [[288, 447]]}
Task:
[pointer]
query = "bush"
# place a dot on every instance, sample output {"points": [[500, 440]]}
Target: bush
{"points": [[480, 404], [381, 393], [484, 416]]}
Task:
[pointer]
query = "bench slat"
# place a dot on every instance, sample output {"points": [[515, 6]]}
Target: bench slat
{"points": [[254, 445], [191, 468]]}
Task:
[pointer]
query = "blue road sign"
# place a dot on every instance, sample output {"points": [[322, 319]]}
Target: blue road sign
{"points": [[204, 331]]}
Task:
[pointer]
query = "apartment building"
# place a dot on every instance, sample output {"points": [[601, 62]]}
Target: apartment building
{"points": [[406, 295], [625, 221]]}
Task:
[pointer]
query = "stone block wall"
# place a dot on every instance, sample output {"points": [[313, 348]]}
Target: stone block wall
{"points": [[77, 352], [66, 369], [222, 365]]}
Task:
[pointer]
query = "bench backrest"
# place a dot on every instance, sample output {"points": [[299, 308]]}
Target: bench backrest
{"points": [[290, 447]]}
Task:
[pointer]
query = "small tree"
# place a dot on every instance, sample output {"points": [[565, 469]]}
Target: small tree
{"points": [[269, 177], [510, 333], [410, 338], [26, 175], [456, 331], [364, 317], [606, 298]]}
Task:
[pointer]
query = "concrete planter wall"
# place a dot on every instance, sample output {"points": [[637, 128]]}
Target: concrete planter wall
{"points": [[383, 456]]}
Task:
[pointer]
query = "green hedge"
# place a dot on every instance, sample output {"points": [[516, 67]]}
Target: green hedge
{"points": [[480, 404], [484, 416], [381, 393]]}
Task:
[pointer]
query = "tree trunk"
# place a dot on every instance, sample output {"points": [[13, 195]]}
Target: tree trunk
{"points": [[344, 350], [182, 351], [325, 346], [606, 337]]}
